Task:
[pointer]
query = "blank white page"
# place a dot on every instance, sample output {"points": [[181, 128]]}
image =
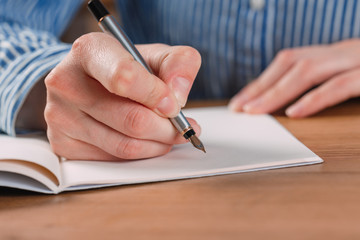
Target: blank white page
{"points": [[235, 142]]}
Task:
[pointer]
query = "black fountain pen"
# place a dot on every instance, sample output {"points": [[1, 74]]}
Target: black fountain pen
{"points": [[108, 23]]}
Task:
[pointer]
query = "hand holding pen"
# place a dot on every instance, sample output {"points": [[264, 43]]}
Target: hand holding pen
{"points": [[108, 24], [103, 105]]}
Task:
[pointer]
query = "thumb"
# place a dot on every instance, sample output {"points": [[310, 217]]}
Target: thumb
{"points": [[177, 66]]}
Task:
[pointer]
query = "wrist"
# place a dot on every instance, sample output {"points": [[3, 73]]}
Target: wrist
{"points": [[31, 114]]}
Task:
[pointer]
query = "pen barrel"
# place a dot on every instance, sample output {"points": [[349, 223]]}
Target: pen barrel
{"points": [[109, 24], [182, 125]]}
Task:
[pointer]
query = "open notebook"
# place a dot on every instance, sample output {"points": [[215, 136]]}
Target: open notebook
{"points": [[234, 143]]}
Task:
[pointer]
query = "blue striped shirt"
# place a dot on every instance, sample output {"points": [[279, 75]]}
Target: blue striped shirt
{"points": [[236, 38]]}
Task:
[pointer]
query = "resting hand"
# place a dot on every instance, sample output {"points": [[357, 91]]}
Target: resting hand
{"points": [[103, 105], [334, 71]]}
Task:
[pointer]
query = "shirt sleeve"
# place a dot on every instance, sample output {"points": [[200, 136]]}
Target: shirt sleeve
{"points": [[29, 49], [26, 55]]}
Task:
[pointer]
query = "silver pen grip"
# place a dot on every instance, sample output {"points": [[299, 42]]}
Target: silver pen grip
{"points": [[181, 123]]}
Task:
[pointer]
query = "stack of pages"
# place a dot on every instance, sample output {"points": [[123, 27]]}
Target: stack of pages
{"points": [[235, 142]]}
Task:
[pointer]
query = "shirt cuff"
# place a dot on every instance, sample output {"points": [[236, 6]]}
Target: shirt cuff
{"points": [[20, 76]]}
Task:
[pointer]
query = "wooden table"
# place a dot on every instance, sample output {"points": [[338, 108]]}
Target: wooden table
{"points": [[313, 202]]}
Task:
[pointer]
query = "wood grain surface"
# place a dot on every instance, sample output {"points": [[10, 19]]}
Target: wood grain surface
{"points": [[313, 202]]}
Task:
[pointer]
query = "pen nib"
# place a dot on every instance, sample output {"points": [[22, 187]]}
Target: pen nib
{"points": [[195, 141]]}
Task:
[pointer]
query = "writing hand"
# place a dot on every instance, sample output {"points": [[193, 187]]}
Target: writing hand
{"points": [[334, 71], [103, 105]]}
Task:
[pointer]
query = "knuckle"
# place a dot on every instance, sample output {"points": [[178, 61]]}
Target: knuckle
{"points": [[50, 114], [344, 85], [305, 65], [313, 97], [122, 77], [81, 44], [286, 55], [342, 81], [53, 80], [58, 82], [136, 121], [306, 68], [187, 52], [255, 88], [128, 149], [275, 92]]}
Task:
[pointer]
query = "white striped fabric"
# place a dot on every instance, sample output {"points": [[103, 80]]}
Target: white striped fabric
{"points": [[25, 57], [28, 56], [29, 48]]}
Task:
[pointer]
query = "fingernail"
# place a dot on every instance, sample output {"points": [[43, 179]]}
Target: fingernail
{"points": [[293, 111], [181, 86], [236, 103], [168, 107], [251, 106]]}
